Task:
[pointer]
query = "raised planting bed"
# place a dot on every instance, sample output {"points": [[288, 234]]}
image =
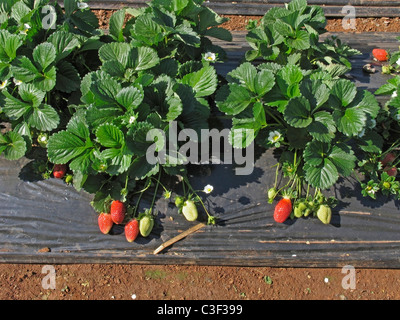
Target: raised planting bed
{"points": [[331, 158], [332, 8]]}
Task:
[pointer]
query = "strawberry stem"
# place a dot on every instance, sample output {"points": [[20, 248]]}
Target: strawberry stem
{"points": [[276, 174], [211, 219], [155, 192]]}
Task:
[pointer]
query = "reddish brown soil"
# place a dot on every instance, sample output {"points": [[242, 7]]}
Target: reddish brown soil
{"points": [[171, 282], [159, 282], [238, 23]]}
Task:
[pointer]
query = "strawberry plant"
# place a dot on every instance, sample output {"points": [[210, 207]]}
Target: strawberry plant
{"points": [[379, 165], [41, 69], [145, 82], [178, 30], [319, 121], [290, 34]]}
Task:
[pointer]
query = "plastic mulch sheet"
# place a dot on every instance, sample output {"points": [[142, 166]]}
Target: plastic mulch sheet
{"points": [[47, 221]]}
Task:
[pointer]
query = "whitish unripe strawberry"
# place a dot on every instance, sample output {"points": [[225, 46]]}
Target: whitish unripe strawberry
{"points": [[271, 194], [324, 214], [146, 224], [189, 210]]}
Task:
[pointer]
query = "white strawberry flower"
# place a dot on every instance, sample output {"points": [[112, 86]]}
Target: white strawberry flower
{"points": [[82, 5], [274, 136], [17, 82], [398, 61], [210, 56], [26, 28], [3, 84], [208, 188], [167, 194], [132, 119], [394, 94]]}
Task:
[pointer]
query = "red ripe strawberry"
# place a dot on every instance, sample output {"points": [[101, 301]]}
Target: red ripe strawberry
{"points": [[380, 54], [105, 222], [59, 171], [117, 211], [391, 171], [388, 158], [283, 209], [132, 230]]}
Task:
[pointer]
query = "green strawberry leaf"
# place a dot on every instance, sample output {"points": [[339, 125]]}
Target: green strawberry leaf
{"points": [[324, 163], [323, 127], [85, 20], [233, 99], [15, 108], [12, 145], [368, 103], [141, 168], [67, 78], [345, 91], [130, 97], [20, 11], [204, 82], [323, 176], [350, 121], [147, 30], [23, 69], [78, 126], [29, 93], [301, 40], [315, 152], [65, 146], [47, 80], [219, 33], [43, 117], [371, 142], [298, 112], [64, 43], [342, 156], [264, 82], [137, 138], [9, 44], [116, 25], [242, 135], [110, 136], [246, 73], [291, 74], [44, 55], [315, 91], [143, 58], [98, 115], [115, 51]]}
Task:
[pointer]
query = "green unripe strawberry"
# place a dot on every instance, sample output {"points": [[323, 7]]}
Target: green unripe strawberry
{"points": [[179, 201], [43, 139], [146, 224], [271, 194], [324, 214], [69, 178], [189, 210], [299, 209]]}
